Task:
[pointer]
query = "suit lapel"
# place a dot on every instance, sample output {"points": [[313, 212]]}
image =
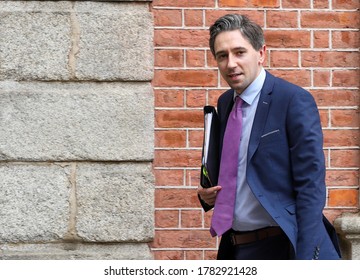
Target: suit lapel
{"points": [[261, 115]]}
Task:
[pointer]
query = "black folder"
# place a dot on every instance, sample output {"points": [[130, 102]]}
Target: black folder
{"points": [[210, 149]]}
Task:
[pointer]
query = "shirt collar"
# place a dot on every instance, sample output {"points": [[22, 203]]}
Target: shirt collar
{"points": [[249, 94]]}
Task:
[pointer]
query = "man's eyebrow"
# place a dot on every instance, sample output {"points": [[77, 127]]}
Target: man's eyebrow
{"points": [[232, 50], [239, 49], [220, 52]]}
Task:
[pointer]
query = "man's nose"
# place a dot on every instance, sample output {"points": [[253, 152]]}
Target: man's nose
{"points": [[231, 61]]}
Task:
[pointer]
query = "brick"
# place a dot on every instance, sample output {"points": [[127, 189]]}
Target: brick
{"points": [[281, 19], [183, 239], [178, 158], [342, 178], [321, 39], [343, 198], [213, 96], [299, 77], [166, 218], [345, 39], [321, 78], [169, 58], [185, 78], [233, 3], [211, 62], [330, 59], [170, 139], [170, 177], [167, 17], [287, 38], [169, 98], [196, 138], [193, 18], [284, 59], [210, 254], [207, 219], [191, 219], [182, 3], [324, 117], [346, 4], [336, 97], [346, 78], [178, 118], [195, 98], [341, 137], [181, 38], [195, 58], [249, 3], [176, 198], [321, 4], [212, 15], [329, 19], [194, 255], [192, 178], [304, 4], [345, 159], [345, 118], [168, 255]]}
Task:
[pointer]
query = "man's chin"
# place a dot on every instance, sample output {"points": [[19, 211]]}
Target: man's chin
{"points": [[238, 88]]}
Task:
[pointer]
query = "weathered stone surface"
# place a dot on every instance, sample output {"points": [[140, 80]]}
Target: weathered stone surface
{"points": [[73, 121], [27, 49], [34, 202], [64, 40], [348, 228], [104, 35], [75, 251], [76, 130], [115, 202]]}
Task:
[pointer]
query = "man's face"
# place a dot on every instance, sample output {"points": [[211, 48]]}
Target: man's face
{"points": [[239, 63]]}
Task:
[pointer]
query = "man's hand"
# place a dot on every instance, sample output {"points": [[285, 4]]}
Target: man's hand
{"points": [[208, 195]]}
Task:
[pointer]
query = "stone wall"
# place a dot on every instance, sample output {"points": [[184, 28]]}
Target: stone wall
{"points": [[76, 130]]}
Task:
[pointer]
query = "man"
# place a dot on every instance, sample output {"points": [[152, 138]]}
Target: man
{"points": [[279, 189]]}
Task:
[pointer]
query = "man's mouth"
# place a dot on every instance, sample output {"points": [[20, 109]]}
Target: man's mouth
{"points": [[234, 75]]}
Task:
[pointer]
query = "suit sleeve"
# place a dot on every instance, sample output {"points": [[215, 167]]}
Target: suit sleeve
{"points": [[308, 171]]}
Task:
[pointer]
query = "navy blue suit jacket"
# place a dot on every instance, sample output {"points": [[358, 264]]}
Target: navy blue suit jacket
{"points": [[286, 167]]}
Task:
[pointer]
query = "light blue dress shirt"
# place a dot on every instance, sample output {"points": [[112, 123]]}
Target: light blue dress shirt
{"points": [[248, 212]]}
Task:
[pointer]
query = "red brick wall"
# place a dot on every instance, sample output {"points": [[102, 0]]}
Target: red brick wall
{"points": [[311, 43]]}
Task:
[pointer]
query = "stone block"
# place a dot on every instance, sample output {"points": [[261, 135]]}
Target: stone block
{"points": [[348, 229], [64, 40], [104, 32], [115, 202], [76, 121], [34, 41], [75, 251], [34, 202]]}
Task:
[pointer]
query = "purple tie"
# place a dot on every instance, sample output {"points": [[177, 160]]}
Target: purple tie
{"points": [[225, 201]]}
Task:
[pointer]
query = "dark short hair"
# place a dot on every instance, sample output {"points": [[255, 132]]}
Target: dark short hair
{"points": [[249, 29]]}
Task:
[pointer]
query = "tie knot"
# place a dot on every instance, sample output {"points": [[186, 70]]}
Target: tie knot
{"points": [[238, 104], [238, 101]]}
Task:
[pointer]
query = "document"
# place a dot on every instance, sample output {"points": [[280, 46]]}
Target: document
{"points": [[210, 150]]}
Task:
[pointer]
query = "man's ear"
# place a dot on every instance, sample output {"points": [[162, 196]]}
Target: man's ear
{"points": [[262, 53]]}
